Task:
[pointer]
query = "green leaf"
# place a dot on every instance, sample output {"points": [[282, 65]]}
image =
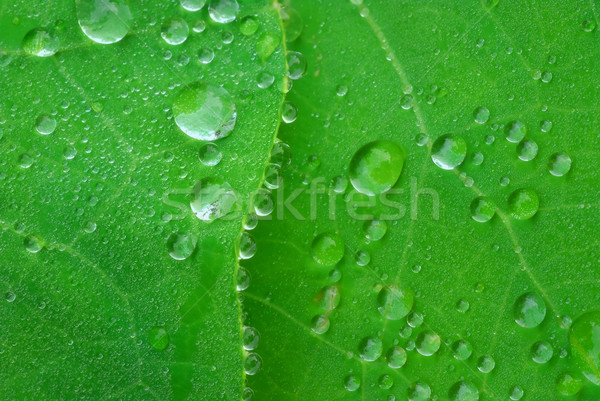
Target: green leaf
{"points": [[494, 251], [96, 179]]}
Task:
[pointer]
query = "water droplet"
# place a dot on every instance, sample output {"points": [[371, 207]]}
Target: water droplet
{"points": [[181, 245], [33, 243], [541, 352], [204, 112], [588, 25], [273, 177], [206, 55], [199, 26], [193, 5], [263, 202], [546, 126], [339, 184], [584, 337], [296, 64], [464, 391], [289, 112], [375, 229], [414, 319], [419, 391], [89, 227], [252, 364], [559, 164], [327, 249], [265, 80], [210, 155], [421, 139], [428, 343], [363, 258], [370, 349], [248, 26], [330, 297], [385, 382], [482, 209], [376, 167], [10, 296], [45, 124], [462, 350], [351, 383], [281, 154], [527, 150], [486, 364], [462, 305], [477, 158], [223, 11], [394, 303], [247, 246], [25, 160], [213, 198], [341, 90], [242, 279], [158, 338], [69, 152], [247, 394], [448, 151], [516, 393], [292, 23], [481, 115], [175, 31], [396, 357], [407, 102], [40, 42], [546, 77], [523, 203], [105, 21], [515, 131], [250, 338], [320, 324], [567, 384], [529, 310]]}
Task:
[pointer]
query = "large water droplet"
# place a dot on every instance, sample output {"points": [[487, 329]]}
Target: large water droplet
{"points": [[464, 391], [223, 11], [204, 112], [158, 337], [559, 164], [181, 245], [515, 131], [529, 310], [213, 198], [523, 203], [584, 337], [376, 167], [175, 31], [370, 349], [428, 343], [104, 21], [448, 151], [327, 249], [40, 42], [395, 303]]}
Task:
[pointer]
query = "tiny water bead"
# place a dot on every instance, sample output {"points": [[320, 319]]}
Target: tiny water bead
{"points": [[33, 243], [376, 167], [252, 364], [158, 338], [541, 352], [181, 245], [210, 155], [462, 350], [394, 303], [193, 5], [247, 246], [104, 21], [296, 65], [175, 31], [448, 151], [396, 357], [223, 11], [515, 131], [584, 337], [529, 310], [559, 164], [375, 229], [213, 198], [320, 324], [418, 391], [351, 383], [486, 364], [327, 249], [250, 338], [567, 384], [40, 42], [45, 124], [482, 209], [516, 393], [481, 115], [428, 343], [523, 204], [527, 150], [370, 349], [463, 391], [205, 112]]}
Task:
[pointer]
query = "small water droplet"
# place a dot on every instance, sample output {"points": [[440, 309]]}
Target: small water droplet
{"points": [[223, 11], [516, 393], [529, 310], [320, 324], [209, 154], [296, 64], [213, 198], [158, 338], [248, 26], [462, 350], [292, 22], [40, 42], [482, 209], [481, 115], [265, 80], [584, 336], [527, 150], [567, 384], [375, 229], [559, 164], [396, 357], [45, 124], [370, 349], [193, 5], [289, 112], [33, 243], [428, 343], [10, 296], [394, 303], [376, 167], [546, 126], [351, 383], [418, 391], [448, 151], [247, 246], [541, 352], [523, 203], [486, 364], [181, 245], [463, 391], [588, 25], [105, 21], [515, 131], [175, 31], [327, 249], [252, 364], [250, 338], [206, 55]]}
